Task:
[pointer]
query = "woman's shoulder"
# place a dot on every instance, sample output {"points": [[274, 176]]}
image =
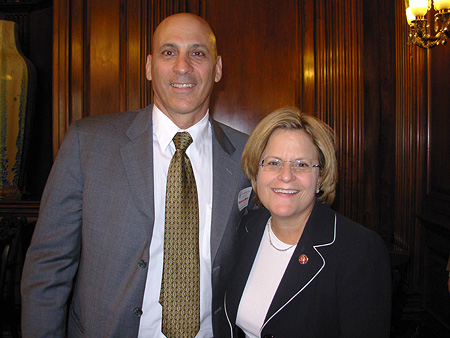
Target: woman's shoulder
{"points": [[348, 233], [354, 230], [359, 242]]}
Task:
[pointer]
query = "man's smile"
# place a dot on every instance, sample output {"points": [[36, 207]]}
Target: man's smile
{"points": [[183, 85]]}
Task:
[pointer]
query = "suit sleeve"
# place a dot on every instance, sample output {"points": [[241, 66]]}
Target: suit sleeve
{"points": [[364, 290], [52, 259]]}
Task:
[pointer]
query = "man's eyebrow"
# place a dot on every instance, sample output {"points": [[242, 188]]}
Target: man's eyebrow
{"points": [[198, 45], [171, 45], [174, 45]]}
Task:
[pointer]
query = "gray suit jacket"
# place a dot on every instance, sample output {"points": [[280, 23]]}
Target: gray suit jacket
{"points": [[92, 238]]}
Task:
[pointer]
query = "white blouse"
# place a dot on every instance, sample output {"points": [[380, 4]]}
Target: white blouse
{"points": [[268, 268]]}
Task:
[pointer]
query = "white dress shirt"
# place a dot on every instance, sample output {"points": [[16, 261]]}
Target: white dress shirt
{"points": [[200, 154]]}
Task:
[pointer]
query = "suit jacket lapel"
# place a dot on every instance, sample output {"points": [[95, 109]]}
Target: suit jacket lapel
{"points": [[137, 156], [319, 231], [225, 171]]}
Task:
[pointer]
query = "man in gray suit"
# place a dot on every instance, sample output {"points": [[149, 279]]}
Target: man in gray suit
{"points": [[97, 251]]}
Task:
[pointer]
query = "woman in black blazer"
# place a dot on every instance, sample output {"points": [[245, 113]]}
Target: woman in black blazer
{"points": [[302, 270]]}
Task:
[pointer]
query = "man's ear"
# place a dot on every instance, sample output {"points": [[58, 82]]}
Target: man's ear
{"points": [[148, 67], [218, 69]]}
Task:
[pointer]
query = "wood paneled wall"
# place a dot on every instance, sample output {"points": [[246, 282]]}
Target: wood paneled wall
{"points": [[435, 198], [411, 134], [346, 61]]}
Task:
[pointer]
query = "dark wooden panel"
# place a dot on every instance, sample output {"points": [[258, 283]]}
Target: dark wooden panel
{"points": [[133, 53], [259, 46], [435, 213], [439, 160], [103, 80], [61, 71], [78, 60], [436, 300], [306, 84], [379, 115], [339, 83], [410, 144]]}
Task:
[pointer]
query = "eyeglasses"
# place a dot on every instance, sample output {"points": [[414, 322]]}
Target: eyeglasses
{"points": [[276, 165]]}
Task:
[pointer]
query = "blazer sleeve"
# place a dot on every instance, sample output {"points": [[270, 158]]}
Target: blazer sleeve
{"points": [[364, 289], [52, 259]]}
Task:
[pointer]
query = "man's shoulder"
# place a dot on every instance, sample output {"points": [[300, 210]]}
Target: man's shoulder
{"points": [[236, 137], [116, 119], [230, 131], [113, 123]]}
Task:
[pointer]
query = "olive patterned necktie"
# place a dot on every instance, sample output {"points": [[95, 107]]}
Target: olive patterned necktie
{"points": [[180, 287]]}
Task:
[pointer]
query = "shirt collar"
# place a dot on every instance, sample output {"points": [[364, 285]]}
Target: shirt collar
{"points": [[165, 129]]}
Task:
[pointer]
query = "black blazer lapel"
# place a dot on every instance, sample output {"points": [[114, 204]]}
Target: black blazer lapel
{"points": [[319, 231], [250, 233]]}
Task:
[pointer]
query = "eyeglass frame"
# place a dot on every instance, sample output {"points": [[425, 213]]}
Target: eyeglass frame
{"points": [[276, 169]]}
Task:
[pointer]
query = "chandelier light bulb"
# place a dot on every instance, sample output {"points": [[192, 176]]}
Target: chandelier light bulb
{"points": [[409, 15], [418, 7], [441, 4]]}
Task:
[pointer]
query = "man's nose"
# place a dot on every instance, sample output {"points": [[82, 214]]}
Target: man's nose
{"points": [[182, 64]]}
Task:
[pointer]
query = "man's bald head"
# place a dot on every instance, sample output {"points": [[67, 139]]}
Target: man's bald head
{"points": [[185, 22]]}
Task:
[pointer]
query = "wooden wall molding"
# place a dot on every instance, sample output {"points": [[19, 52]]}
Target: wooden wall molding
{"points": [[61, 76], [410, 143], [340, 95]]}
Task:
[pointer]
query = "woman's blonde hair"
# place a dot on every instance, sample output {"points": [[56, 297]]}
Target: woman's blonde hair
{"points": [[290, 118]]}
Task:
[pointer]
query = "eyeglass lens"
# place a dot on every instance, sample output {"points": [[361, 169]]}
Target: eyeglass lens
{"points": [[276, 164]]}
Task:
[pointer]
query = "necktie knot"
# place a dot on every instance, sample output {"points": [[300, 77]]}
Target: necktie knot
{"points": [[182, 140]]}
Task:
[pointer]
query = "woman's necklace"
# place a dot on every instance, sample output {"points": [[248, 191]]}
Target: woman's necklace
{"points": [[269, 230]]}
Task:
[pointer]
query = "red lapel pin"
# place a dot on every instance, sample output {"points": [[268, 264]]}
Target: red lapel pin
{"points": [[303, 259]]}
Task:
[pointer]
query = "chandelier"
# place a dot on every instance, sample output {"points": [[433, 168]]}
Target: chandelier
{"points": [[420, 33]]}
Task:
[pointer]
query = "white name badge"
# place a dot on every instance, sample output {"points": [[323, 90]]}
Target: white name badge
{"points": [[243, 198]]}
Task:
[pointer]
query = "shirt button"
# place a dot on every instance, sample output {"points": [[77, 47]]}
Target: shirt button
{"points": [[137, 312], [142, 264]]}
